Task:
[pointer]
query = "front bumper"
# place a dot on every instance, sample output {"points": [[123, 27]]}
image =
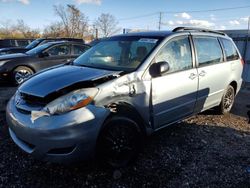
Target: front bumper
{"points": [[5, 75], [60, 138]]}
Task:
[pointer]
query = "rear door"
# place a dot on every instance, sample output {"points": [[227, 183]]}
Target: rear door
{"points": [[213, 71], [174, 94]]}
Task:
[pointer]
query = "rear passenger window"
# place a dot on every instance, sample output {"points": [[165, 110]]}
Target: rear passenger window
{"points": [[208, 50], [230, 50], [177, 53]]}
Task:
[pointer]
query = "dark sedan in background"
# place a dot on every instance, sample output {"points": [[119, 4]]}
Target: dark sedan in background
{"points": [[33, 44], [16, 68]]}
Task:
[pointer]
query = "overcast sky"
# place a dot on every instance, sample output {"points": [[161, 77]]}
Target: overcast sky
{"points": [[136, 14]]}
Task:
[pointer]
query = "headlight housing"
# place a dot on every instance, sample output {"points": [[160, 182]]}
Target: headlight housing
{"points": [[3, 62], [71, 101]]}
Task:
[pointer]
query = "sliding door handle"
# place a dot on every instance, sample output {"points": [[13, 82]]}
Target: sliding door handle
{"points": [[202, 73], [192, 76]]}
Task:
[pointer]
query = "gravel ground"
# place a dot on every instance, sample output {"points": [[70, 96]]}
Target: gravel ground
{"points": [[206, 150], [203, 151]]}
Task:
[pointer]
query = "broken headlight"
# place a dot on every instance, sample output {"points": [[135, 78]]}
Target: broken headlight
{"points": [[71, 101]]}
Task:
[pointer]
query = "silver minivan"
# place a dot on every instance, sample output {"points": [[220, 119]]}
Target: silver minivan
{"points": [[123, 88]]}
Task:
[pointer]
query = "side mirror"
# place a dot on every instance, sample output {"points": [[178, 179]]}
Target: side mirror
{"points": [[43, 54], [158, 69]]}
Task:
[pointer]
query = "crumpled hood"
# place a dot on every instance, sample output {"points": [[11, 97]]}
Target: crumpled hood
{"points": [[56, 79]]}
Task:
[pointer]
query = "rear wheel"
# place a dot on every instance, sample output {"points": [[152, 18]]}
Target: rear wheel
{"points": [[119, 142], [20, 74], [227, 101]]}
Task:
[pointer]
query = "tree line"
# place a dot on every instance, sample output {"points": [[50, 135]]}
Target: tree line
{"points": [[71, 23]]}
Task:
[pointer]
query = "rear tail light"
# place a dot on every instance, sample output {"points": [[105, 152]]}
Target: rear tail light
{"points": [[242, 62]]}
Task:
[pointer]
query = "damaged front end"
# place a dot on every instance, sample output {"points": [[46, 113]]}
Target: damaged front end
{"points": [[63, 93], [41, 124], [58, 98]]}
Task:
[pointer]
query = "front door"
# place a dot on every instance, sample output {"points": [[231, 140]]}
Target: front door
{"points": [[58, 54], [174, 94]]}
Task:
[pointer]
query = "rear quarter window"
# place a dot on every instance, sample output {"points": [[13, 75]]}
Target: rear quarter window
{"points": [[208, 50], [230, 50]]}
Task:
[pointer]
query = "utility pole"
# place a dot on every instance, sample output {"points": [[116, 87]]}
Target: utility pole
{"points": [[96, 33], [160, 17]]}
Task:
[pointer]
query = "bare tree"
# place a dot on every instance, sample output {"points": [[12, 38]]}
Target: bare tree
{"points": [[74, 22], [54, 30], [17, 30], [6, 29], [107, 25], [25, 30]]}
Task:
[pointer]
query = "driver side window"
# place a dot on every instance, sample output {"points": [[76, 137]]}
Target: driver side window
{"points": [[177, 53], [60, 50]]}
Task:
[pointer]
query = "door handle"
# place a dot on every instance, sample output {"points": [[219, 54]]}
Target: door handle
{"points": [[202, 73], [192, 76]]}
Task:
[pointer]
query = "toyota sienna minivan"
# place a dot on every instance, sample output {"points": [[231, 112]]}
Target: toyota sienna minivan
{"points": [[123, 88]]}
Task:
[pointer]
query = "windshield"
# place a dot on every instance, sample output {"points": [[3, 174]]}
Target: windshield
{"points": [[33, 44], [38, 49], [120, 53]]}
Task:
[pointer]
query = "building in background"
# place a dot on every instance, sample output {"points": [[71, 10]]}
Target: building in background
{"points": [[242, 41]]}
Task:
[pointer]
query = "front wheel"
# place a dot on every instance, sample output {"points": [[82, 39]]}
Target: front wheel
{"points": [[21, 73], [119, 142], [227, 101]]}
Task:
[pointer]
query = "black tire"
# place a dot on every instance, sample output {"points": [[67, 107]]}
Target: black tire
{"points": [[227, 101], [20, 74], [119, 142]]}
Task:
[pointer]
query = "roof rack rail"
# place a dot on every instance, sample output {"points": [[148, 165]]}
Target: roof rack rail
{"points": [[197, 29]]}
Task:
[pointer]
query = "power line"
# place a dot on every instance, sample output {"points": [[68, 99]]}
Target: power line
{"points": [[141, 16], [209, 10], [187, 11]]}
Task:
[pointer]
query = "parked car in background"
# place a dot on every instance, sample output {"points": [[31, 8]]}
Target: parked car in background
{"points": [[121, 89], [20, 66], [35, 43], [6, 43]]}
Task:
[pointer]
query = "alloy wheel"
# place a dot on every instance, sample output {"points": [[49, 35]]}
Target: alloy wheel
{"points": [[22, 75]]}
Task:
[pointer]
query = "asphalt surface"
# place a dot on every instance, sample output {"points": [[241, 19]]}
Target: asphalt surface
{"points": [[206, 150]]}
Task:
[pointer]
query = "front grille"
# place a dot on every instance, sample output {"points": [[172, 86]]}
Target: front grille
{"points": [[60, 151], [23, 111], [33, 100]]}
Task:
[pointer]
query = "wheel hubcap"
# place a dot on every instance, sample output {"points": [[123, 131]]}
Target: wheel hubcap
{"points": [[229, 99], [22, 75]]}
